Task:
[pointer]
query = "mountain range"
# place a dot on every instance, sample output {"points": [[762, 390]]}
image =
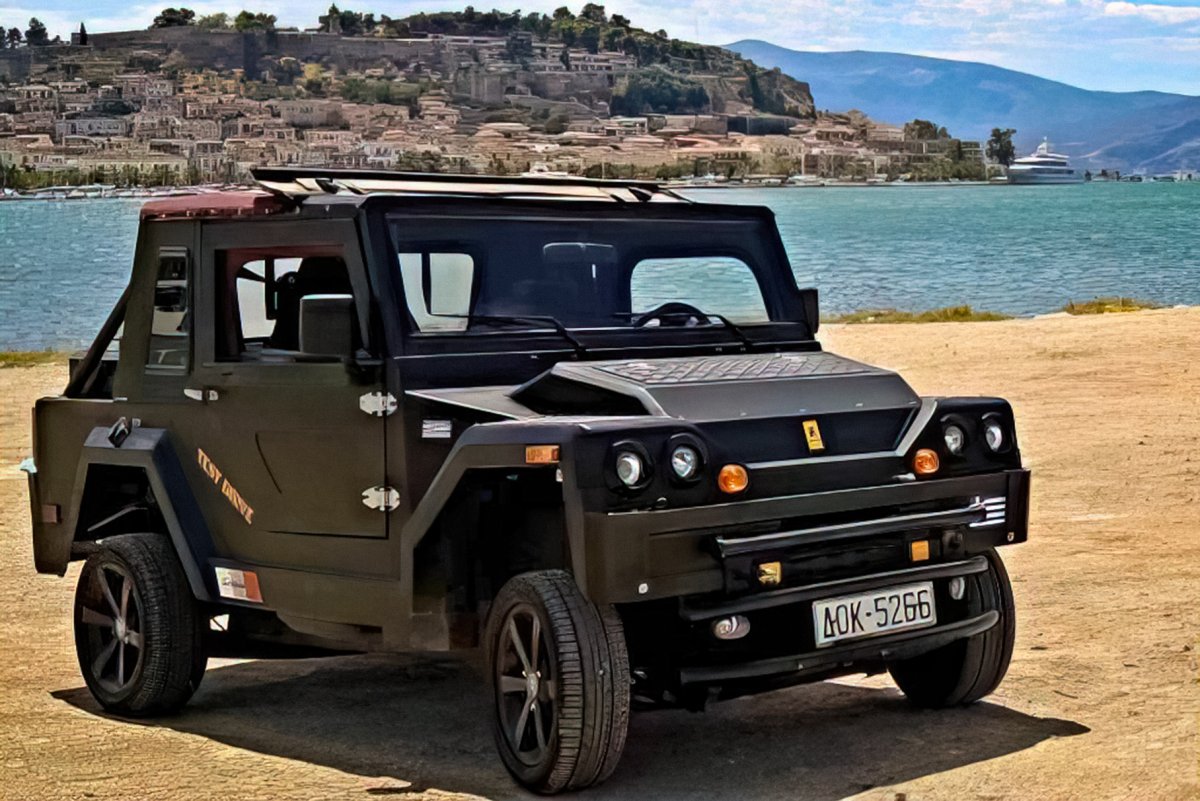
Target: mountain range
{"points": [[1152, 131]]}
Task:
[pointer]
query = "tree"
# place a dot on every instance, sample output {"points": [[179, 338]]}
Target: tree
{"points": [[661, 91], [563, 13], [213, 22], [589, 38], [1000, 146], [174, 18], [593, 13], [14, 38], [83, 37], [920, 130], [35, 34], [314, 78], [249, 21]]}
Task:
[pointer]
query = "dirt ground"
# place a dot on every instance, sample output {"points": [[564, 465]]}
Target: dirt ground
{"points": [[1101, 702]]}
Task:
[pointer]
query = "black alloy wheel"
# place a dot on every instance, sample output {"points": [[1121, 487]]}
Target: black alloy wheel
{"points": [[560, 681], [112, 615], [524, 679], [139, 632]]}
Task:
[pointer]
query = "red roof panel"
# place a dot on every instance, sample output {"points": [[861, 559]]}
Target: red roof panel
{"points": [[213, 204]]}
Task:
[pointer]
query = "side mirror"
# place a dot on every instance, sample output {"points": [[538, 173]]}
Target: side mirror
{"points": [[328, 325]]}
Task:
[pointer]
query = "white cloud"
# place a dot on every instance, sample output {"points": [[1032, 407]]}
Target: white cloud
{"points": [[1158, 14]]}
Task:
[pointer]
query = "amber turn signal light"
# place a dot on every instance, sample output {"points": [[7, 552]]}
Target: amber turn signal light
{"points": [[733, 479], [926, 462], [769, 574], [541, 454], [918, 550]]}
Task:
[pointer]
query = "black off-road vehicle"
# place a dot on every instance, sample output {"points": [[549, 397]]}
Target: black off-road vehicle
{"points": [[584, 424]]}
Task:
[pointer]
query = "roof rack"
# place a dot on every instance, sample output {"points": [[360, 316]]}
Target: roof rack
{"points": [[297, 183]]}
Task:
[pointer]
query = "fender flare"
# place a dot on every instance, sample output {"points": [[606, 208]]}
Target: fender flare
{"points": [[150, 450]]}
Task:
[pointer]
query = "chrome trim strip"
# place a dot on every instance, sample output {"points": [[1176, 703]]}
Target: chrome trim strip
{"points": [[974, 513]]}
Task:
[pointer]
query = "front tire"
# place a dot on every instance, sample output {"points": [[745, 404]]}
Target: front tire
{"points": [[139, 633], [963, 672], [560, 683]]}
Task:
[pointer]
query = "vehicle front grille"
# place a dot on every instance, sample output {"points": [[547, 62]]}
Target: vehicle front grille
{"points": [[997, 510]]}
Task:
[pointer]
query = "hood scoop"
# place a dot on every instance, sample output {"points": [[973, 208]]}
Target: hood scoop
{"points": [[704, 388]]}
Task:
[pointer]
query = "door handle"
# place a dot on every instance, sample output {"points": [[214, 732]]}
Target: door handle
{"points": [[204, 395]]}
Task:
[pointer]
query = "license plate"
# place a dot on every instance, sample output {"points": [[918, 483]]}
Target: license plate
{"points": [[870, 614]]}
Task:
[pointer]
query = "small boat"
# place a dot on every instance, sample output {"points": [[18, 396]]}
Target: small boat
{"points": [[1044, 167]]}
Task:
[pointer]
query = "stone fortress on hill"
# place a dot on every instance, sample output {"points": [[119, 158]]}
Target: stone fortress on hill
{"points": [[189, 104]]}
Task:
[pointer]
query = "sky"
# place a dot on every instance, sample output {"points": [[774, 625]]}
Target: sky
{"points": [[1117, 45]]}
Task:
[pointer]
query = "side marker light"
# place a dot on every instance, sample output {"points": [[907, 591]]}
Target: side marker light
{"points": [[240, 585], [541, 454]]}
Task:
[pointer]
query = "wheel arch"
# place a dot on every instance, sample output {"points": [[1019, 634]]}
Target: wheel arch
{"points": [[496, 524], [152, 493]]}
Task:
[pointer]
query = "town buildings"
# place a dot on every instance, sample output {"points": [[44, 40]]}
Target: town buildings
{"points": [[189, 106]]}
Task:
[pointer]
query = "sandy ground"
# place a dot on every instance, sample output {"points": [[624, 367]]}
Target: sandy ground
{"points": [[1101, 702]]}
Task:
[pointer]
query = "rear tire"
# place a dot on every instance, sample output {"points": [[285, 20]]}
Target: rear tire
{"points": [[139, 633], [560, 683], [965, 671]]}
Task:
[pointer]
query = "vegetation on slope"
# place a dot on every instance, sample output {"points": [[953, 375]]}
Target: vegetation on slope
{"points": [[1109, 305], [949, 314], [30, 358]]}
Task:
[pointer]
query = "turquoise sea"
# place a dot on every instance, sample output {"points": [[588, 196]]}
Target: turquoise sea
{"points": [[1021, 250]]}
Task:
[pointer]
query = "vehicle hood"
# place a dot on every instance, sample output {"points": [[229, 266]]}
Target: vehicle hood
{"points": [[713, 388]]}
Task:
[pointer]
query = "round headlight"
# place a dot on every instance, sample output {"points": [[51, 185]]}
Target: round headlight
{"points": [[955, 438], [685, 462], [630, 468], [993, 434]]}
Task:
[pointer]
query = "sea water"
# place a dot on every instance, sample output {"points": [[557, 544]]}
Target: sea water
{"points": [[1019, 250]]}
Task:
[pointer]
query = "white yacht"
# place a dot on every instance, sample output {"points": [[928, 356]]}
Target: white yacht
{"points": [[1044, 167]]}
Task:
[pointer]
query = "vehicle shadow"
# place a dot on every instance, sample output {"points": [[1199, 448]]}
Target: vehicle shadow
{"points": [[425, 720]]}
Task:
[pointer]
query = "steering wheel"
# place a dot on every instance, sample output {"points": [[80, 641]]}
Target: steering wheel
{"points": [[673, 313]]}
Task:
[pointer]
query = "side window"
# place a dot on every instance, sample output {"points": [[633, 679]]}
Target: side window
{"points": [[438, 289], [171, 323], [259, 292], [715, 284], [255, 302]]}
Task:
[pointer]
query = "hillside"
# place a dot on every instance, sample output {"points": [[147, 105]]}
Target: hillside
{"points": [[1122, 130], [671, 75]]}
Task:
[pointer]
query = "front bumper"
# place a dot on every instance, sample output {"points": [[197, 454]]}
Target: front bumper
{"points": [[820, 661], [709, 550]]}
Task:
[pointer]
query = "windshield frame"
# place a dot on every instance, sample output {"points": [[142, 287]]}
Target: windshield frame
{"points": [[793, 311]]}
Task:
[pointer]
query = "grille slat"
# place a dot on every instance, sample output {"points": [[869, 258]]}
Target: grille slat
{"points": [[734, 368]]}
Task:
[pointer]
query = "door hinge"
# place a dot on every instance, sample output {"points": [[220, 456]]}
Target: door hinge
{"points": [[385, 499], [377, 404]]}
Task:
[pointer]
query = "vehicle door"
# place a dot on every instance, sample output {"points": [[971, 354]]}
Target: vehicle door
{"points": [[294, 442]]}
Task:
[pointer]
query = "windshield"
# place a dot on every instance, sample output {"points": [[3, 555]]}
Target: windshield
{"points": [[478, 272]]}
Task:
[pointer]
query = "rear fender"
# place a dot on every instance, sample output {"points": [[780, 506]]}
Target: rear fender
{"points": [[149, 450]]}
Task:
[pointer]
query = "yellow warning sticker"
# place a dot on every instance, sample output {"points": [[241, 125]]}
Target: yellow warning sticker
{"points": [[812, 433]]}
